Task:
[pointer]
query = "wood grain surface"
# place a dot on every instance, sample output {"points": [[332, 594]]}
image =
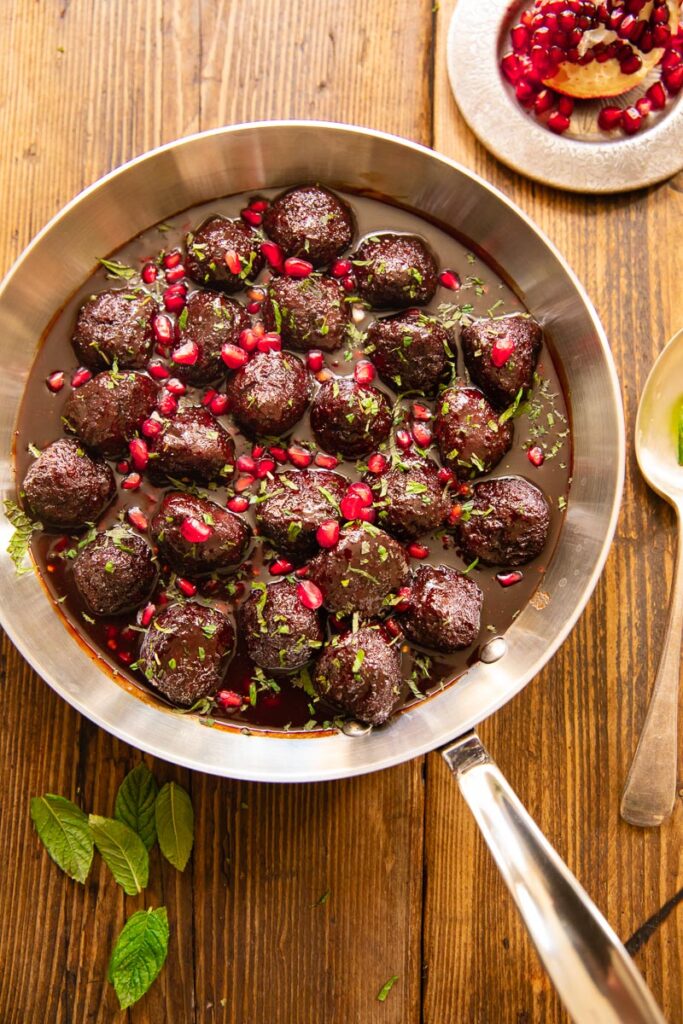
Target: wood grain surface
{"points": [[87, 84]]}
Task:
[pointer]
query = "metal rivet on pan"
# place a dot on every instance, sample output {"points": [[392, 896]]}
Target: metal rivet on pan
{"points": [[356, 728], [493, 650]]}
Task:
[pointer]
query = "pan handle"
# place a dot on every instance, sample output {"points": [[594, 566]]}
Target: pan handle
{"points": [[592, 972]]}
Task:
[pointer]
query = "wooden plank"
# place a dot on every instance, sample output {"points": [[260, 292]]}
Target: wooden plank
{"points": [[85, 87], [565, 743]]}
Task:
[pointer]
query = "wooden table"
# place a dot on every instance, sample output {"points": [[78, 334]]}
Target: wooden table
{"points": [[86, 85]]}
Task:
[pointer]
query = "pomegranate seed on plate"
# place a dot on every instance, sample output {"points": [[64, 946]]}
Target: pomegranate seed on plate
{"points": [[171, 259], [186, 587], [264, 467], [175, 274], [132, 482], [351, 506], [673, 80], [55, 381], [656, 96], [280, 567], [449, 279], [377, 463], [228, 699], [361, 490], [508, 579], [195, 531], [404, 603], [535, 456], [327, 533], [238, 504], [270, 342], [175, 386], [137, 518], [233, 262], [162, 328], [326, 461], [139, 453], [244, 483], [167, 404], [348, 284], [123, 466], [296, 267], [260, 205], [416, 550], [158, 371], [248, 340], [299, 457], [403, 439], [274, 255], [233, 356], [558, 122], [245, 464], [147, 614], [314, 358], [631, 121], [364, 372], [421, 412], [422, 435], [454, 515], [609, 118], [219, 404], [279, 454], [149, 273], [309, 594], [341, 268], [446, 476], [81, 376], [187, 354], [175, 297], [251, 216]]}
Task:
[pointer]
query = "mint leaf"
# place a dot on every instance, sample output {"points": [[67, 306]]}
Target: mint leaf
{"points": [[123, 852], [20, 540], [175, 824], [116, 269], [63, 829], [135, 803], [386, 988], [139, 954]]}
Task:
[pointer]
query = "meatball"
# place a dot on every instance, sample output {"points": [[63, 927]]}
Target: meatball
{"points": [[311, 222], [349, 418], [115, 328], [308, 313], [185, 652], [297, 503], [395, 271], [471, 438], [223, 254], [280, 633], [179, 526], [106, 413], [116, 573], [66, 488], [506, 522], [411, 351], [360, 572], [270, 393], [409, 498], [361, 673], [482, 349], [445, 609], [193, 446], [211, 321]]}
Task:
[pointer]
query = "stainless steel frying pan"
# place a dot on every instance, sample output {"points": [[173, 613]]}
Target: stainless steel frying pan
{"points": [[589, 966]]}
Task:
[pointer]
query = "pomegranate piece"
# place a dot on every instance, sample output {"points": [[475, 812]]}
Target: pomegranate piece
{"points": [[274, 255], [132, 482], [175, 386], [158, 371], [245, 464], [631, 121], [253, 307], [149, 273], [656, 96], [167, 404], [137, 518], [327, 533], [172, 259], [123, 466], [186, 587], [244, 483], [501, 351], [176, 274], [455, 515], [416, 550], [228, 700], [403, 439], [558, 122], [362, 491], [299, 457], [296, 267], [55, 381], [348, 284], [162, 328], [238, 504], [151, 427], [512, 67], [535, 456], [326, 461], [194, 531], [264, 467], [351, 506], [174, 298], [309, 594], [609, 118], [187, 354], [446, 476], [251, 216], [340, 268], [233, 262], [421, 412], [280, 567], [233, 356], [364, 372], [403, 604], [279, 454], [147, 614], [219, 404], [422, 435], [81, 376], [377, 463], [248, 340], [269, 342], [139, 453], [260, 205], [508, 579], [368, 515], [314, 359], [673, 80]]}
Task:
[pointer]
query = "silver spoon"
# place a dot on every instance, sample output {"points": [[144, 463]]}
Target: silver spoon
{"points": [[650, 789]]}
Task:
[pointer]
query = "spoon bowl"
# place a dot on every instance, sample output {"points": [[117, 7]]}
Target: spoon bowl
{"points": [[657, 424]]}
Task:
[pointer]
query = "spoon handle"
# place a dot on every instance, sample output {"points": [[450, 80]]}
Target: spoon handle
{"points": [[650, 789]]}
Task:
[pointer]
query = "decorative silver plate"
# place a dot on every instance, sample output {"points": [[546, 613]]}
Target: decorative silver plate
{"points": [[584, 159]]}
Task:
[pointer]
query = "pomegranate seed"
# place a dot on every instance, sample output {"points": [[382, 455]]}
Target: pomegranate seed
{"points": [[219, 404], [364, 372], [404, 604], [296, 267], [233, 356], [175, 386], [186, 587], [446, 476], [512, 67], [195, 531], [673, 80], [508, 579], [535, 456], [519, 34], [525, 92], [251, 216], [631, 121], [656, 96], [167, 404], [315, 360], [264, 467], [270, 342], [137, 518], [55, 381], [566, 106], [126, 657], [248, 340], [454, 515], [139, 453], [244, 483], [340, 268], [279, 454], [309, 594], [348, 284], [111, 632], [351, 506], [302, 572], [80, 377], [643, 106], [609, 118], [327, 533], [421, 412], [233, 262], [151, 428], [671, 59], [245, 464], [158, 371], [326, 461], [162, 328], [123, 466], [175, 298], [260, 205], [557, 122], [257, 451], [147, 614], [280, 567], [422, 435], [501, 351], [368, 515], [253, 307], [238, 504], [403, 439], [132, 482], [377, 463], [149, 273], [227, 699], [361, 490], [299, 457], [171, 259], [274, 255], [545, 101], [417, 550], [176, 274], [187, 354]]}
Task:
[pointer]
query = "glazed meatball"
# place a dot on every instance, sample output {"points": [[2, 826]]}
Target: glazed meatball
{"points": [[470, 436], [349, 418], [506, 523], [308, 313], [193, 446], [360, 572], [197, 536], [409, 498], [185, 652], [212, 320], [445, 609], [116, 573], [310, 222], [395, 271], [270, 393], [106, 413], [115, 328], [485, 343], [361, 673], [280, 633], [297, 504], [66, 488], [411, 351], [223, 254]]}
